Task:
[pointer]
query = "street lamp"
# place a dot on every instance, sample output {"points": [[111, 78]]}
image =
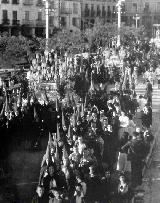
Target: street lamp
{"points": [[47, 11], [47, 22], [136, 18], [119, 4]]}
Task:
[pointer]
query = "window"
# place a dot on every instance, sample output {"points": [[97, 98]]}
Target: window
{"points": [[14, 15], [63, 22], [5, 14], [5, 1], [134, 7], [98, 11], [74, 21], [109, 12], [92, 10], [86, 6], [103, 11], [39, 16], [75, 8], [158, 6], [26, 15], [15, 1], [86, 10], [146, 5], [146, 8], [51, 20]]}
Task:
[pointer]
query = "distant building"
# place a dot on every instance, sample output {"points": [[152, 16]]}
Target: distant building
{"points": [[70, 14], [101, 9], [147, 10], [27, 17]]}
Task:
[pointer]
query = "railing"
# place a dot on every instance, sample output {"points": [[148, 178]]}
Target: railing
{"points": [[15, 22], [65, 11], [5, 21], [40, 23], [15, 1], [5, 1], [28, 2], [27, 22]]}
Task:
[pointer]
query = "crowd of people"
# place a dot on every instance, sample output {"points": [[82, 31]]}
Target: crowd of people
{"points": [[95, 151]]}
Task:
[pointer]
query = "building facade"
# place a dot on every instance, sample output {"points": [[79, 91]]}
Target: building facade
{"points": [[97, 9], [148, 12], [70, 15], [27, 17]]}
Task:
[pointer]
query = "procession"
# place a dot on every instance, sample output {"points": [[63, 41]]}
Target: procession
{"points": [[85, 105], [79, 101]]}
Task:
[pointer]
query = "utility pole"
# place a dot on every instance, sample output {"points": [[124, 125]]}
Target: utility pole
{"points": [[119, 21], [47, 22], [136, 18]]}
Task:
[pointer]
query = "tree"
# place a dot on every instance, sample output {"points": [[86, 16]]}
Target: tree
{"points": [[14, 49]]}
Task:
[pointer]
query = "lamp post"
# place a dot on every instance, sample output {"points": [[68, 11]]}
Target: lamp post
{"points": [[119, 21], [136, 18], [47, 22]]}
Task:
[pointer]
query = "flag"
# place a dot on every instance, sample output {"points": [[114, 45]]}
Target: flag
{"points": [[6, 106], [73, 101], [86, 76], [82, 110], [19, 100], [74, 118], [58, 134], [69, 132], [85, 101], [63, 120], [69, 103], [92, 89], [65, 154], [15, 106], [57, 156], [47, 154], [50, 139], [36, 117], [78, 113], [57, 104], [3, 109]]}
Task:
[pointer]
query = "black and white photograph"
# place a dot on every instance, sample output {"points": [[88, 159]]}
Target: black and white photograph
{"points": [[79, 101]]}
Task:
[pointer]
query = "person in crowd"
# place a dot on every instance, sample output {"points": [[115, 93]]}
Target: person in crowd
{"points": [[123, 190], [40, 197], [95, 133], [124, 122]]}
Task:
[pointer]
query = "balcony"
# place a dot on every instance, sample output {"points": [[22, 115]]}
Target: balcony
{"points": [[93, 13], [104, 13], [28, 2], [5, 1], [15, 22], [40, 23], [5, 21], [28, 22], [86, 13], [65, 11], [98, 13], [15, 2], [40, 3]]}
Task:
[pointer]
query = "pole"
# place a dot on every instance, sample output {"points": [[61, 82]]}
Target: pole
{"points": [[47, 22], [136, 18], [119, 25]]}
